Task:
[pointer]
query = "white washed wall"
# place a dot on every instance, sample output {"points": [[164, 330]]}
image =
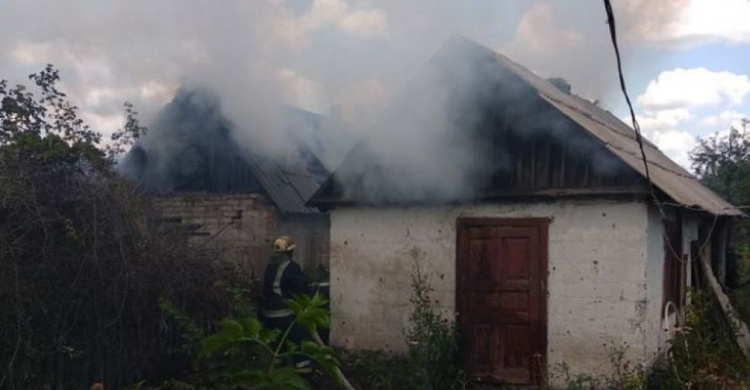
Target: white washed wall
{"points": [[597, 274]]}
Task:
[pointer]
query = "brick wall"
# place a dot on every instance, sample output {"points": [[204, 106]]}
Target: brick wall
{"points": [[241, 227]]}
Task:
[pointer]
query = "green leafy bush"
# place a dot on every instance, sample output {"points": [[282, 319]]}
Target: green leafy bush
{"points": [[703, 354], [625, 375], [433, 340], [84, 258], [431, 361], [244, 355], [377, 370]]}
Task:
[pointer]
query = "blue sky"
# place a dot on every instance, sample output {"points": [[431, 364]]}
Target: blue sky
{"points": [[687, 62]]}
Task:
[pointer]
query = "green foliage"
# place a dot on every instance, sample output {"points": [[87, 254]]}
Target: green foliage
{"points": [[723, 164], [625, 375], [83, 258], [432, 358], [702, 354], [377, 370], [242, 354], [433, 340]]}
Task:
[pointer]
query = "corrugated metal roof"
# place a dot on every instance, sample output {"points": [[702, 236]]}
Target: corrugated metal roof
{"points": [[620, 139], [286, 181], [291, 179], [616, 136]]}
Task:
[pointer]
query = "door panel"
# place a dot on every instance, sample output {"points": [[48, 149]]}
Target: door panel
{"points": [[502, 269]]}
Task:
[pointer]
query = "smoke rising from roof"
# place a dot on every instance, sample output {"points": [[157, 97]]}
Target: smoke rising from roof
{"points": [[313, 54], [306, 53], [461, 127]]}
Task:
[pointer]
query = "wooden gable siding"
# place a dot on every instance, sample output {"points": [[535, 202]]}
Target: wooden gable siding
{"points": [[562, 158]]}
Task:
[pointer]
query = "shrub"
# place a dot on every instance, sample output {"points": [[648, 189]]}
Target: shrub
{"points": [[703, 354], [376, 370], [432, 339], [84, 259], [626, 375], [242, 354]]}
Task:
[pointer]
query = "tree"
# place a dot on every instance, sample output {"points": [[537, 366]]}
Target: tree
{"points": [[83, 258], [722, 161]]}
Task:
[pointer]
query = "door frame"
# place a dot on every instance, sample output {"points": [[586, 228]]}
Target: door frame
{"points": [[543, 225]]}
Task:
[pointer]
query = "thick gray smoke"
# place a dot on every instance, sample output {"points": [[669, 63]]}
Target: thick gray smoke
{"points": [[312, 54], [450, 134], [192, 146], [259, 56]]}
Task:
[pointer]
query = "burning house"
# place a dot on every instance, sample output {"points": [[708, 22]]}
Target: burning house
{"points": [[531, 212], [233, 195]]}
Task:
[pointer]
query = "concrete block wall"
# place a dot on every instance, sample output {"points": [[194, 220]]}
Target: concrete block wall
{"points": [[597, 282]]}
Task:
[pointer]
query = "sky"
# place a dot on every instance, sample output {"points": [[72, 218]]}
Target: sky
{"points": [[686, 62]]}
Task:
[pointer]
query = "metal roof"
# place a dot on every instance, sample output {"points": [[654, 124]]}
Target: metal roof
{"points": [[290, 179], [287, 181], [620, 139], [616, 136]]}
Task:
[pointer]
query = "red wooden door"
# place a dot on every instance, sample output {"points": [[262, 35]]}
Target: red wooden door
{"points": [[501, 297]]}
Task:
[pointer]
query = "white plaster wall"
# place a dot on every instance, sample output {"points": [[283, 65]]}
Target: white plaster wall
{"points": [[596, 283], [654, 336]]}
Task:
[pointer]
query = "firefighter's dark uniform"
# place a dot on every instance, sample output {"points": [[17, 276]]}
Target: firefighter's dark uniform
{"points": [[283, 278]]}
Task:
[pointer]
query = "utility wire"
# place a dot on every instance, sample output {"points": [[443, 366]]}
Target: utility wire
{"points": [[636, 126], [728, 311]]}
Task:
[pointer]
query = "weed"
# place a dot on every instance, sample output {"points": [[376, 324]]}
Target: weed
{"points": [[701, 355], [432, 339]]}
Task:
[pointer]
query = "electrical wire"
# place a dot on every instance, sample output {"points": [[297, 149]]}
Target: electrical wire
{"points": [[636, 126], [639, 138]]}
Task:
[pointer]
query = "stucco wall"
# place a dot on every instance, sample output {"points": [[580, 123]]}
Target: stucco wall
{"points": [[596, 284], [654, 337], [241, 227]]}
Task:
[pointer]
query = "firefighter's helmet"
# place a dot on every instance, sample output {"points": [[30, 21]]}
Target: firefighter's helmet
{"points": [[283, 244]]}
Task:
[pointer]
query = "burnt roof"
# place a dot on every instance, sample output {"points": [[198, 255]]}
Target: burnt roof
{"points": [[618, 138], [289, 183], [192, 149]]}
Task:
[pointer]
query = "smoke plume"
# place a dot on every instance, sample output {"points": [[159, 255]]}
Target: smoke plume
{"points": [[458, 129], [345, 56]]}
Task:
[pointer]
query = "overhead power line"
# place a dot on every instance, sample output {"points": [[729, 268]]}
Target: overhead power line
{"points": [[636, 126]]}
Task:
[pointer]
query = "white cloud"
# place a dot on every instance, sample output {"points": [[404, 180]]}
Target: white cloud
{"points": [[663, 128], [31, 53], [682, 23], [663, 120], [540, 32], [676, 144], [361, 22], [103, 123], [670, 99], [685, 88], [724, 119]]}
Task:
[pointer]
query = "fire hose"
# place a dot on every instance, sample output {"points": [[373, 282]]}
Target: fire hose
{"points": [[339, 375]]}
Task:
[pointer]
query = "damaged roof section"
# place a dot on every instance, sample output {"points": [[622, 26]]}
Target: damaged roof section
{"points": [[484, 98], [191, 148], [289, 184]]}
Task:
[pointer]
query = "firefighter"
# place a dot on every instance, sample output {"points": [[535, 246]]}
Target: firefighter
{"points": [[283, 278]]}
